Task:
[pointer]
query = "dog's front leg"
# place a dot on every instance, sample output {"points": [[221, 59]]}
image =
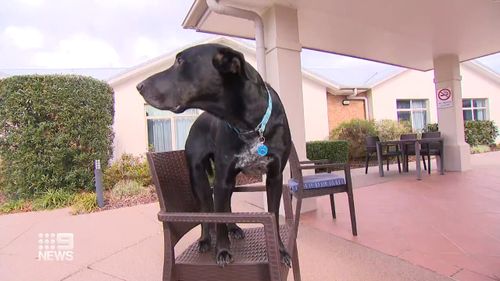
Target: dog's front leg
{"points": [[274, 185], [222, 201]]}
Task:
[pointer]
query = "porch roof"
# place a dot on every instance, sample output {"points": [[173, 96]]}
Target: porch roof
{"points": [[409, 33]]}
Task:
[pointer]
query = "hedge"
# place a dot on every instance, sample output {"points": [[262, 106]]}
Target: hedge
{"points": [[52, 128], [480, 132], [335, 151]]}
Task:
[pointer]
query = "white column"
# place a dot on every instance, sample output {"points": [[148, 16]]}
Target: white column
{"points": [[284, 73], [450, 119], [284, 70]]}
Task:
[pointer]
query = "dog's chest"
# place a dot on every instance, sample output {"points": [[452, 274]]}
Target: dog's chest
{"points": [[250, 162]]}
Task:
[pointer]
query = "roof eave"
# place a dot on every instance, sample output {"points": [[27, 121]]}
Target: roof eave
{"points": [[196, 13]]}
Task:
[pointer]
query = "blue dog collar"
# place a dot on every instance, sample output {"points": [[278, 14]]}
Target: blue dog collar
{"points": [[261, 127]]}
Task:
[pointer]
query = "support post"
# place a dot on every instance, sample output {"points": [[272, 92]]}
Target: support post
{"points": [[447, 80]]}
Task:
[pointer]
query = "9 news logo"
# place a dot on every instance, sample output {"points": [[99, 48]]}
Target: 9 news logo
{"points": [[55, 246]]}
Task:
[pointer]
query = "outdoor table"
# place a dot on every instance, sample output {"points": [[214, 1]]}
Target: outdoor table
{"points": [[418, 144]]}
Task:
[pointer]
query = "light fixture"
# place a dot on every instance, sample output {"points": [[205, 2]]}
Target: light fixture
{"points": [[346, 102]]}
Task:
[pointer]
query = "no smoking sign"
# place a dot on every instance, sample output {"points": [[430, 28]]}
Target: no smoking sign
{"points": [[444, 98]]}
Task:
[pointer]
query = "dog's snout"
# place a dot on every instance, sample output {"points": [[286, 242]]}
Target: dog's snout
{"points": [[139, 87]]}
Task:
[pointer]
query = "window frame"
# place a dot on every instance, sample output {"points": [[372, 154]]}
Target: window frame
{"points": [[472, 108], [173, 117], [411, 110]]}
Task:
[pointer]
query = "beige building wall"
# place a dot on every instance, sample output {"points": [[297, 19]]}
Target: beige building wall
{"points": [[130, 126], [409, 84], [315, 110], [478, 85], [413, 84]]}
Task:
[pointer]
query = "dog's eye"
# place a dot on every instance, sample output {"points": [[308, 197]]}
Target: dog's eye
{"points": [[179, 60]]}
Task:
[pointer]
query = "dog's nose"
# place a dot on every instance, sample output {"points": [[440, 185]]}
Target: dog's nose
{"points": [[139, 87]]}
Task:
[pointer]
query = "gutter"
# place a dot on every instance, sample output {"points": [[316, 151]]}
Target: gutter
{"points": [[352, 94], [219, 8]]}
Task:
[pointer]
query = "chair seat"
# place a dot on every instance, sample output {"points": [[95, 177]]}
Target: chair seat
{"points": [[322, 180], [250, 249]]}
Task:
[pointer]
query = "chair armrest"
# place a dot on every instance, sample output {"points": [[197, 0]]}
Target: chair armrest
{"points": [[261, 217], [326, 166], [319, 161]]}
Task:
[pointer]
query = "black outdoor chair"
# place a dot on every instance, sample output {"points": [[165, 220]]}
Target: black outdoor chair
{"points": [[371, 147], [409, 149], [430, 148], [320, 184]]}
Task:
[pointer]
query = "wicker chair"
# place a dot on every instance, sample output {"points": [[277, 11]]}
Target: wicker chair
{"points": [[320, 184], [256, 257]]}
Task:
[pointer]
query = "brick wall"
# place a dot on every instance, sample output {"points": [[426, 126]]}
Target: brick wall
{"points": [[338, 113]]}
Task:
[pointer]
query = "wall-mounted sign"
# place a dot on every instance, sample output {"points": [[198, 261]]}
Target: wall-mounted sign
{"points": [[444, 98]]}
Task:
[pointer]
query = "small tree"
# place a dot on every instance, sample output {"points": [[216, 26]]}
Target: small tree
{"points": [[388, 130], [52, 127]]}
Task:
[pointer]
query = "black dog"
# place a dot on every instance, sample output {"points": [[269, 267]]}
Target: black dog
{"points": [[244, 128]]}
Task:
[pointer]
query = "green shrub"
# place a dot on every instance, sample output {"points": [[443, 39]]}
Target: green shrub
{"points": [[85, 202], [480, 149], [52, 199], [432, 127], [335, 151], [354, 131], [480, 132], [127, 188], [53, 127], [128, 167], [388, 130]]}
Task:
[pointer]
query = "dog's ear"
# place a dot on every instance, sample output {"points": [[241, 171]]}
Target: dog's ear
{"points": [[229, 61]]}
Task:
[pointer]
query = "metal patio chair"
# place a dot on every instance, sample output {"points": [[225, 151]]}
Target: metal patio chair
{"points": [[256, 257]]}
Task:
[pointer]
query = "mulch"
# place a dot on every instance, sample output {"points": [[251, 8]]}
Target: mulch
{"points": [[143, 198]]}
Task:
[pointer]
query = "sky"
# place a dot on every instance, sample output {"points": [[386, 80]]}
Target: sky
{"points": [[123, 33]]}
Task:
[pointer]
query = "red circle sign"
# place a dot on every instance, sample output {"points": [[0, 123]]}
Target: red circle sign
{"points": [[444, 94]]}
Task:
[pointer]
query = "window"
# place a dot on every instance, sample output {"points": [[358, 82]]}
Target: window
{"points": [[166, 130], [413, 111], [474, 109]]}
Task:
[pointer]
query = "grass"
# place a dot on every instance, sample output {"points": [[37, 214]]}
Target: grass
{"points": [[480, 149], [14, 206], [85, 202], [53, 199]]}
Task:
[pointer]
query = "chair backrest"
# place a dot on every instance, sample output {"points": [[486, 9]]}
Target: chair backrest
{"points": [[170, 174], [431, 135], [428, 135], [408, 137], [371, 143]]}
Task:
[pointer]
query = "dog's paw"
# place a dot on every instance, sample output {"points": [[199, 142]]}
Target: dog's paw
{"points": [[286, 258], [204, 245], [224, 257], [235, 231]]}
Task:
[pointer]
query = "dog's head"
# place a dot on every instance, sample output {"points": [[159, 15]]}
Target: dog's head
{"points": [[199, 78]]}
